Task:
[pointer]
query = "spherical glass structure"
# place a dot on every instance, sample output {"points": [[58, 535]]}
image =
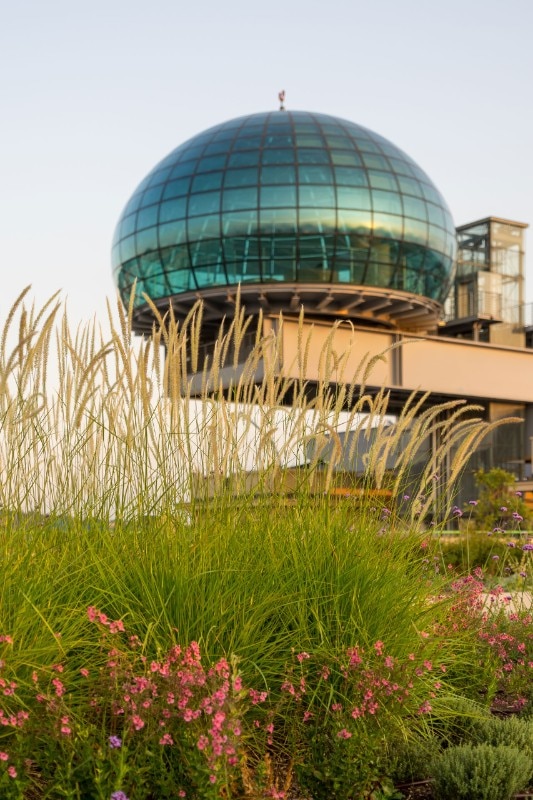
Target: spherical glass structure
{"points": [[288, 197]]}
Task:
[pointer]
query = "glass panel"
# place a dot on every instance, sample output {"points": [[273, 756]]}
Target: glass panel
{"points": [[278, 141], [146, 240], [211, 163], [321, 196], [323, 220], [181, 171], [127, 248], [246, 159], [239, 222], [388, 226], [247, 142], [203, 227], [366, 146], [172, 233], [375, 162], [278, 196], [173, 209], [147, 217], [241, 177], [343, 158], [176, 257], [278, 175], [400, 166], [127, 226], [347, 176], [357, 221], [234, 199], [436, 215], [415, 231], [431, 194], [308, 140], [213, 275], [437, 238], [204, 203], [160, 176], [354, 198], [151, 195], [279, 220], [389, 202], [339, 142], [192, 153], [181, 280], [309, 174], [176, 188], [207, 182], [279, 156], [312, 156], [382, 180], [409, 186], [414, 208], [206, 252]]}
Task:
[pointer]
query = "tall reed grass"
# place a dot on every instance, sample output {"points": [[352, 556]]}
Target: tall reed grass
{"points": [[116, 434]]}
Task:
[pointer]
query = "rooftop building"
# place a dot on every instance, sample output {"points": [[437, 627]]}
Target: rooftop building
{"points": [[293, 209]]}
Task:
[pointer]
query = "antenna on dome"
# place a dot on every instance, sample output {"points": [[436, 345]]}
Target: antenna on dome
{"points": [[281, 96]]}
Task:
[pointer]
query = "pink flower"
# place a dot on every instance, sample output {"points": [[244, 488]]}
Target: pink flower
{"points": [[137, 722], [302, 656], [166, 739], [344, 734], [378, 647], [84, 672], [4, 756], [12, 772]]}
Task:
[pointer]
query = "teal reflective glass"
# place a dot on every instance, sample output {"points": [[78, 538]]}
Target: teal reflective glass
{"points": [[285, 196]]}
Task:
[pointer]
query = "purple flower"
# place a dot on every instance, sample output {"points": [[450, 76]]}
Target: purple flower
{"points": [[517, 516], [495, 558], [456, 511], [518, 494], [503, 508], [527, 547], [511, 544], [523, 574], [115, 742], [472, 502], [119, 796]]}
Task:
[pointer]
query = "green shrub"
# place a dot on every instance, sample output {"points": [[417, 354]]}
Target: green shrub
{"points": [[466, 552], [511, 732], [498, 505], [481, 772]]}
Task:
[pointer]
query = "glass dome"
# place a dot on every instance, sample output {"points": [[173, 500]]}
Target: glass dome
{"points": [[284, 197]]}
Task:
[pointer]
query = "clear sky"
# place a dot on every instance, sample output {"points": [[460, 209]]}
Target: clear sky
{"points": [[94, 94]]}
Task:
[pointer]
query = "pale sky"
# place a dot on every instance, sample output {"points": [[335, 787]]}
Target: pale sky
{"points": [[94, 94]]}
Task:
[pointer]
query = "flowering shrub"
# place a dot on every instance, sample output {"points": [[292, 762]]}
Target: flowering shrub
{"points": [[348, 707], [147, 728], [173, 721]]}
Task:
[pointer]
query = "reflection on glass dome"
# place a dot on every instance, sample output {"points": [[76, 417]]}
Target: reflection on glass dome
{"points": [[287, 196]]}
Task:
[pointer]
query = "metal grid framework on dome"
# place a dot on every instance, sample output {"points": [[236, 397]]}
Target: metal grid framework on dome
{"points": [[289, 198]]}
